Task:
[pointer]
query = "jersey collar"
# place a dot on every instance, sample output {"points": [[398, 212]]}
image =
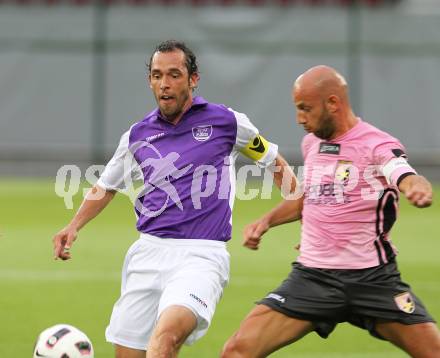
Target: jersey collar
{"points": [[197, 102]]}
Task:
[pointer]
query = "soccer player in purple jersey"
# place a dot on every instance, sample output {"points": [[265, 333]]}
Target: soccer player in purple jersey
{"points": [[184, 153], [346, 270]]}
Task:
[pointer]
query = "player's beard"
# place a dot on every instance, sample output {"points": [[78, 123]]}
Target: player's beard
{"points": [[172, 111], [327, 125]]}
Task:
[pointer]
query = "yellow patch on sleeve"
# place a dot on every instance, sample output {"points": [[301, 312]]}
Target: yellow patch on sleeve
{"points": [[256, 148]]}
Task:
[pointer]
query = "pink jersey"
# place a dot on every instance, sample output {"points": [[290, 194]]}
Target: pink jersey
{"points": [[350, 198]]}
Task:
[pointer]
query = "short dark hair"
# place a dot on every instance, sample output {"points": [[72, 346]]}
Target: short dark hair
{"points": [[172, 45]]}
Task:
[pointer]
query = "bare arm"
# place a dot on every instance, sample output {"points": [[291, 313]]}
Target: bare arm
{"points": [[417, 189], [286, 211], [284, 178], [95, 201]]}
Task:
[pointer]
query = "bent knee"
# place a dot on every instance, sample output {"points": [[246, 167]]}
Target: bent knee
{"points": [[170, 338], [238, 347]]}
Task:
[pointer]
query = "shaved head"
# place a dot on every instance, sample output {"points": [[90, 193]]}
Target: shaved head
{"points": [[321, 98], [322, 80]]}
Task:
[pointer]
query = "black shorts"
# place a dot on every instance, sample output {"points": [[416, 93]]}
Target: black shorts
{"points": [[327, 297]]}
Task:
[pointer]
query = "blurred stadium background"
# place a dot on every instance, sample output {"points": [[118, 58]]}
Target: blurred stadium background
{"points": [[72, 80]]}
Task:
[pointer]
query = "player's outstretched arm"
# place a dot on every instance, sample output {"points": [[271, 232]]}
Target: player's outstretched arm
{"points": [[94, 202], [285, 212], [284, 176], [417, 189]]}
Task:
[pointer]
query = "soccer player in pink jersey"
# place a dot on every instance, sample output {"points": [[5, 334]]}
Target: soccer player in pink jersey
{"points": [[346, 270]]}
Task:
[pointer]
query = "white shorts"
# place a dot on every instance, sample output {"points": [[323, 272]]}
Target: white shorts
{"points": [[159, 273]]}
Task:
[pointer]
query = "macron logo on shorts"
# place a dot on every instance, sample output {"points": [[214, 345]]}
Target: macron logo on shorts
{"points": [[199, 300], [276, 297]]}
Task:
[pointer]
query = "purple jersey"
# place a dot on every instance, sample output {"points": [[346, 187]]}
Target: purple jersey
{"points": [[187, 170]]}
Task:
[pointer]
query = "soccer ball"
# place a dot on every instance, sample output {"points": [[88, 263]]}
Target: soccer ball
{"points": [[63, 341]]}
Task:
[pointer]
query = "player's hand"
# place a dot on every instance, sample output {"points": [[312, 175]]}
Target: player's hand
{"points": [[253, 233], [62, 242], [419, 192]]}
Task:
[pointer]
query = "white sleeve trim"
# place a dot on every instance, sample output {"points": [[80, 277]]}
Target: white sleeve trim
{"points": [[396, 164], [246, 132], [121, 167], [269, 159], [245, 129]]}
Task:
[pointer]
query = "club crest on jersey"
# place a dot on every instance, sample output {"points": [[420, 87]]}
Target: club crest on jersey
{"points": [[342, 173], [202, 133], [329, 148], [405, 302]]}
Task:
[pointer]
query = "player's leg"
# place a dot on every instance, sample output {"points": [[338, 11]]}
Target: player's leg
{"points": [[420, 340], [134, 314], [191, 292], [125, 352], [264, 331], [174, 326], [386, 306], [308, 300]]}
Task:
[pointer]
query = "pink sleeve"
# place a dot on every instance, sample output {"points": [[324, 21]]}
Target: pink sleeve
{"points": [[388, 149]]}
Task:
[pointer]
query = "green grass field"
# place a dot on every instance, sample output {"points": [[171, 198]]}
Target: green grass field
{"points": [[36, 291]]}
